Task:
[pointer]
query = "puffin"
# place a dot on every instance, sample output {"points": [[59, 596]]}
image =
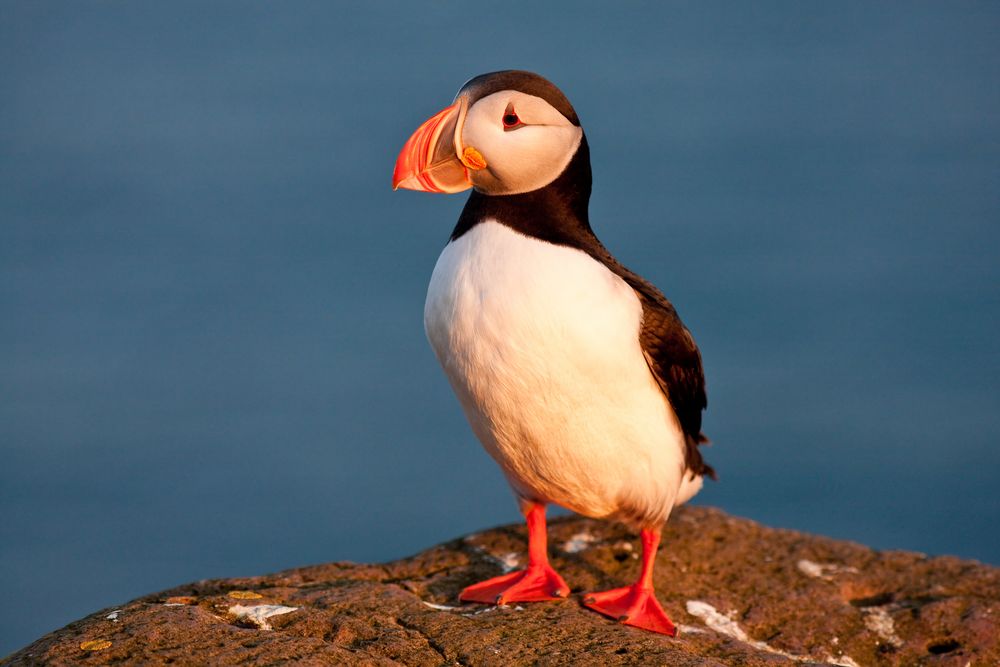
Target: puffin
{"points": [[575, 373]]}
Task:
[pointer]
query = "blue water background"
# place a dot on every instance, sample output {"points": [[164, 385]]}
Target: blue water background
{"points": [[212, 359]]}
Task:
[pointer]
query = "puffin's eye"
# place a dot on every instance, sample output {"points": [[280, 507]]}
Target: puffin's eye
{"points": [[510, 120]]}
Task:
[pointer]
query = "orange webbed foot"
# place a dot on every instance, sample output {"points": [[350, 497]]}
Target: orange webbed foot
{"points": [[538, 583], [632, 605]]}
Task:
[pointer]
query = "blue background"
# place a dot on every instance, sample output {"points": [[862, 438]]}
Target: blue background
{"points": [[212, 359]]}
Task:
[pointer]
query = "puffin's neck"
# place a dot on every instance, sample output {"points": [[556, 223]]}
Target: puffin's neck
{"points": [[556, 213]]}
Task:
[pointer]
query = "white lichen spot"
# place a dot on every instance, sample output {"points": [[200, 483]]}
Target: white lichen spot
{"points": [[841, 661], [724, 624], [509, 562], [485, 610], [174, 604], [715, 620], [439, 607], [258, 614], [810, 569], [690, 629], [878, 620], [113, 616], [822, 570], [578, 542]]}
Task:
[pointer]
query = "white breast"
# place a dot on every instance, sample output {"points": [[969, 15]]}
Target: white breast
{"points": [[541, 344]]}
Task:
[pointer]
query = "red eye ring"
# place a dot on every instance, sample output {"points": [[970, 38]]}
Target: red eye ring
{"points": [[510, 120]]}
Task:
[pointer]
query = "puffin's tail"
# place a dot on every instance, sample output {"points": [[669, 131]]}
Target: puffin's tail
{"points": [[690, 485], [696, 471], [695, 463]]}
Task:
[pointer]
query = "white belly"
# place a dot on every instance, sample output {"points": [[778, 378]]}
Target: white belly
{"points": [[541, 344]]}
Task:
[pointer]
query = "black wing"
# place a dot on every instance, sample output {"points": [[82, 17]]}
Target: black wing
{"points": [[674, 360]]}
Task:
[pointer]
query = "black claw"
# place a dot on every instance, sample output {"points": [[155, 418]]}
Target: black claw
{"points": [[590, 599], [623, 618], [499, 600]]}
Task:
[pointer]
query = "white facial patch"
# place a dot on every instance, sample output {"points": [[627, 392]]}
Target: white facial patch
{"points": [[523, 159]]}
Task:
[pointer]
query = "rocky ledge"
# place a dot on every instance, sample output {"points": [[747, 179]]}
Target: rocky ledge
{"points": [[741, 594]]}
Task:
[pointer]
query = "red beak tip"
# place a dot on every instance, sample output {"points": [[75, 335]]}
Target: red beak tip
{"points": [[427, 162]]}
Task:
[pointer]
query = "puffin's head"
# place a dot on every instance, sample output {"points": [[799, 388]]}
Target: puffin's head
{"points": [[506, 133]]}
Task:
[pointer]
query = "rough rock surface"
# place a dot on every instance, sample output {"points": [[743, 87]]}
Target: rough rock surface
{"points": [[742, 594]]}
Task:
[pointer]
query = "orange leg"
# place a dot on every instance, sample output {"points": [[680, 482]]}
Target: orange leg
{"points": [[636, 604], [538, 583]]}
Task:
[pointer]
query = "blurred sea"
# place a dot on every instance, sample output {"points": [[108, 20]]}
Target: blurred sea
{"points": [[212, 359]]}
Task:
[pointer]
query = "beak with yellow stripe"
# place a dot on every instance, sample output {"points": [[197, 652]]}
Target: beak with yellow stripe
{"points": [[433, 159]]}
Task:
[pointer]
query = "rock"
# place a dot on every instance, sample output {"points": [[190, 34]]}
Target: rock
{"points": [[742, 594]]}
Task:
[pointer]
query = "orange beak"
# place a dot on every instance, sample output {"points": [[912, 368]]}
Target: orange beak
{"points": [[431, 159]]}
